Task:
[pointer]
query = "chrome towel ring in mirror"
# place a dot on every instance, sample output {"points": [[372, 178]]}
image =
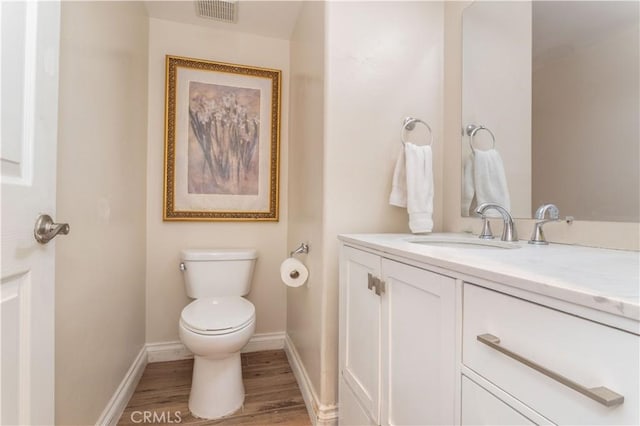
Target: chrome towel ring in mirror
{"points": [[409, 123], [472, 129]]}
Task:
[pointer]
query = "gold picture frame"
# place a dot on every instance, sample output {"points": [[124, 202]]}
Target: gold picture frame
{"points": [[222, 141]]}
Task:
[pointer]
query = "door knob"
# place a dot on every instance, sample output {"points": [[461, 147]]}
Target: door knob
{"points": [[45, 230]]}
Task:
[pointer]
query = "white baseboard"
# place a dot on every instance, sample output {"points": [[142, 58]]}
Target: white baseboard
{"points": [[123, 393], [167, 351], [175, 350], [320, 414], [265, 342]]}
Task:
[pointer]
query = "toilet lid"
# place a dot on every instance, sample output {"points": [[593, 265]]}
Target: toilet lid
{"points": [[216, 315]]}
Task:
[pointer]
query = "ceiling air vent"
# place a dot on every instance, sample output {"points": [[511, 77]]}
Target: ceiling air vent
{"points": [[221, 10]]}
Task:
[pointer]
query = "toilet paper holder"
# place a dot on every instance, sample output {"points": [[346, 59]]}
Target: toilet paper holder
{"points": [[303, 248]]}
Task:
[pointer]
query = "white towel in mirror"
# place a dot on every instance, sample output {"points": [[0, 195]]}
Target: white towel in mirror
{"points": [[486, 170], [468, 186]]}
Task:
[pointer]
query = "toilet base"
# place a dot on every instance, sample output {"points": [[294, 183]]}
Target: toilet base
{"points": [[217, 389]]}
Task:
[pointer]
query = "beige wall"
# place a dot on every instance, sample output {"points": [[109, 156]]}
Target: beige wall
{"points": [[306, 199], [384, 62], [496, 85], [100, 265], [586, 136], [597, 234], [165, 289]]}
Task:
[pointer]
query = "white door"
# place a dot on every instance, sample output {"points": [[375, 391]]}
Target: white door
{"points": [[30, 33]]}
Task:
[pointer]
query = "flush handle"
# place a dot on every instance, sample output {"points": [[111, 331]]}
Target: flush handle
{"points": [[183, 267]]}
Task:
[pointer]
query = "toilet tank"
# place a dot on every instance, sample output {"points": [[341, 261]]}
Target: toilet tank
{"points": [[217, 272]]}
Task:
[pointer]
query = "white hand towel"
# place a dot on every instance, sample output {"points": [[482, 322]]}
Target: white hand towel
{"points": [[413, 186], [490, 180], [419, 187]]}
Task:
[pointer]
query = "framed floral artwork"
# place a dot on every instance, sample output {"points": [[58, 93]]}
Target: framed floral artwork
{"points": [[222, 141]]}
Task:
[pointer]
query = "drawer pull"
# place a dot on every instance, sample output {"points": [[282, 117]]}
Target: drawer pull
{"points": [[600, 394]]}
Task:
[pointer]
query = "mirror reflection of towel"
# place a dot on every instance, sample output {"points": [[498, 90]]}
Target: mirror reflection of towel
{"points": [[413, 186], [484, 178]]}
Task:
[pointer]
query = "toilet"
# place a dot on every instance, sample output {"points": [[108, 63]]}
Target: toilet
{"points": [[216, 326]]}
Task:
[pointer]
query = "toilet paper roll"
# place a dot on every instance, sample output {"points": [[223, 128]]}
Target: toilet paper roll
{"points": [[293, 272]]}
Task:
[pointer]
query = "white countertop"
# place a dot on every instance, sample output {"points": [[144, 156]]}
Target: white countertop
{"points": [[603, 279]]}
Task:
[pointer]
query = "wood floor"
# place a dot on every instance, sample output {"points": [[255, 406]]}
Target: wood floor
{"points": [[272, 394]]}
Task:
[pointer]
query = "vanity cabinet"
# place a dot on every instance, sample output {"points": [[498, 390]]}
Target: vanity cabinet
{"points": [[429, 342], [397, 340]]}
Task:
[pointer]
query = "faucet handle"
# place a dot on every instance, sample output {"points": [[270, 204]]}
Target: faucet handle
{"points": [[486, 233], [554, 213], [537, 236]]}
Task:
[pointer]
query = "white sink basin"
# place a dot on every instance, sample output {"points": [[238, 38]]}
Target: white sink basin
{"points": [[472, 243]]}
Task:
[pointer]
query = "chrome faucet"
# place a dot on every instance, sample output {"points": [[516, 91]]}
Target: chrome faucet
{"points": [[537, 237], [508, 231]]}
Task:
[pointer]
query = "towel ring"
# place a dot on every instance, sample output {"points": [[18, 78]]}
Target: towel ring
{"points": [[409, 123], [472, 129]]}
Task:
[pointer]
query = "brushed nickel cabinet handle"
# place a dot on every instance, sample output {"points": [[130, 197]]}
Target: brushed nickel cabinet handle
{"points": [[375, 284], [600, 394], [370, 281]]}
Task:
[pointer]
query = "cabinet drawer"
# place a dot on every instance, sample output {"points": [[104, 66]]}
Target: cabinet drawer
{"points": [[479, 407], [586, 353]]}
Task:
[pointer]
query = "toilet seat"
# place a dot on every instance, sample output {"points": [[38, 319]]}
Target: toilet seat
{"points": [[218, 315]]}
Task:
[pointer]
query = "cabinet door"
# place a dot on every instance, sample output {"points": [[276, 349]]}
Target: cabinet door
{"points": [[360, 329], [418, 334], [351, 412]]}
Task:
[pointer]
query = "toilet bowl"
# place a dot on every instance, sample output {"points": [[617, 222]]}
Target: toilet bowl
{"points": [[216, 326], [216, 336]]}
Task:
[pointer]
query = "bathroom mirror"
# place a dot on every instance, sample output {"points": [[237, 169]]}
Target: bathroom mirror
{"points": [[557, 83]]}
